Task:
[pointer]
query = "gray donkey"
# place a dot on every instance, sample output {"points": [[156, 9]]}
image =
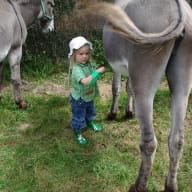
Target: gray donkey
{"points": [[15, 17], [146, 39]]}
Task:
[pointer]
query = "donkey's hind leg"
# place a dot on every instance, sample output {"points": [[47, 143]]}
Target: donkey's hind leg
{"points": [[116, 89], [14, 62], [1, 79], [148, 145], [144, 91], [146, 71], [129, 107], [179, 78]]}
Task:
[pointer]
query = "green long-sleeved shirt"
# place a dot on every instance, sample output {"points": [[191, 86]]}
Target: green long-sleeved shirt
{"points": [[86, 92]]}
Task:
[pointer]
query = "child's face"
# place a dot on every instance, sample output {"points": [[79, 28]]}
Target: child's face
{"points": [[82, 55]]}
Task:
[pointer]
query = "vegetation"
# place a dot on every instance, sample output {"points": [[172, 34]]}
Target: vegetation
{"points": [[38, 152], [67, 25]]}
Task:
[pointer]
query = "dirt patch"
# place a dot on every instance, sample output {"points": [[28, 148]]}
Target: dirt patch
{"points": [[105, 91], [53, 88], [50, 87]]}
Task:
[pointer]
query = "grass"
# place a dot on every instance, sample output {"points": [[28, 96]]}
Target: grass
{"points": [[38, 152]]}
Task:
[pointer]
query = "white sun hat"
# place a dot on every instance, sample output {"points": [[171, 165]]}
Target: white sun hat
{"points": [[77, 43]]}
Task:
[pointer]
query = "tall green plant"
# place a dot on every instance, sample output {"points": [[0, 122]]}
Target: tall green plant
{"points": [[38, 66], [98, 53]]}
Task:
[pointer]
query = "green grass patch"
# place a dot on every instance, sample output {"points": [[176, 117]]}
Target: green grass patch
{"points": [[38, 152]]}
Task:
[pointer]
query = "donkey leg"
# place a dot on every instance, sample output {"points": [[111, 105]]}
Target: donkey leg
{"points": [[176, 137], [1, 79], [116, 89], [129, 106], [148, 142], [145, 72], [179, 78], [14, 62], [176, 140], [144, 87]]}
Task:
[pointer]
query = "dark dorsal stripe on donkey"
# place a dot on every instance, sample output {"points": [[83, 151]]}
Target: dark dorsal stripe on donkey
{"points": [[15, 17], [139, 41]]}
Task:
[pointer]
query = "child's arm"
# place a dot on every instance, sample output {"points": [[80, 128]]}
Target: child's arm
{"points": [[91, 79]]}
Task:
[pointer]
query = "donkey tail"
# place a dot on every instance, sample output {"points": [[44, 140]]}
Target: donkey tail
{"points": [[123, 25]]}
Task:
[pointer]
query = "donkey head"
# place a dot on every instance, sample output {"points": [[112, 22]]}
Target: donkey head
{"points": [[46, 15]]}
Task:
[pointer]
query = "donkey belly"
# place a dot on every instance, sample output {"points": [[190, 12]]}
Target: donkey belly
{"points": [[120, 66], [12, 30], [115, 51], [3, 54], [5, 45]]}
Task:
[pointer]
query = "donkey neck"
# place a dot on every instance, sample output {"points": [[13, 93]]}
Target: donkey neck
{"points": [[30, 10]]}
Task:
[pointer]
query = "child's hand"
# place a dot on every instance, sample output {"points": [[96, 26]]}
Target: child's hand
{"points": [[101, 70]]}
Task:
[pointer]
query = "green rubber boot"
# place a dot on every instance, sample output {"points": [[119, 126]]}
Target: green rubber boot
{"points": [[79, 138], [94, 127]]}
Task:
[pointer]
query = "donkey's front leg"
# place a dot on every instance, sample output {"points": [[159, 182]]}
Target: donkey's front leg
{"points": [[14, 62], [148, 141]]}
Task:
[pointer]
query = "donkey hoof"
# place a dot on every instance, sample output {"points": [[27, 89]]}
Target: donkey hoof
{"points": [[133, 189], [111, 116], [129, 115], [169, 189], [22, 104]]}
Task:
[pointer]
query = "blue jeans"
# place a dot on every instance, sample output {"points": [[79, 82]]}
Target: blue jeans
{"points": [[82, 112]]}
